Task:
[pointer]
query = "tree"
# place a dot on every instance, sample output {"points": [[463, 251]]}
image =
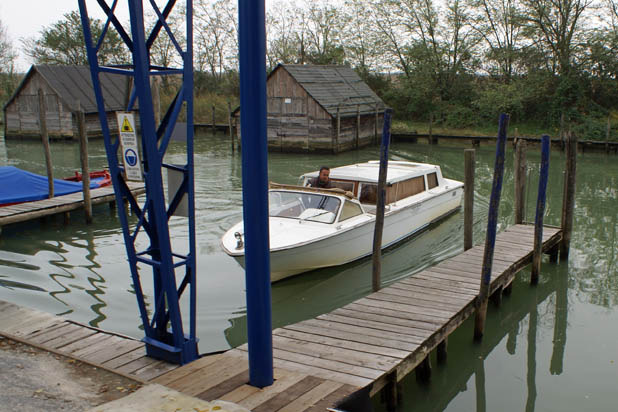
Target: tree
{"points": [[500, 24], [8, 79], [214, 37], [282, 35], [322, 28], [63, 43]]}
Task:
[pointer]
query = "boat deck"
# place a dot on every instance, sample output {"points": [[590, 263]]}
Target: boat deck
{"points": [[23, 212], [370, 343]]}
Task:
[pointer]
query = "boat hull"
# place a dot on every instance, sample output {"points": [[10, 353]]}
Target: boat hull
{"points": [[347, 245]]}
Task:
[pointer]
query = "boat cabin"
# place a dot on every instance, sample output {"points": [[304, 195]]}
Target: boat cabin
{"points": [[404, 180]]}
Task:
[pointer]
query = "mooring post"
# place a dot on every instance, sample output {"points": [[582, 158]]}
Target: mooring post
{"points": [[479, 381], [155, 84], [560, 324], [377, 233], [568, 203], [45, 140], [531, 354], [338, 130], [375, 125], [214, 130], [520, 180], [229, 124], [358, 125], [490, 238], [540, 211], [252, 57], [609, 129], [468, 197], [441, 351], [430, 138], [423, 370], [83, 158]]}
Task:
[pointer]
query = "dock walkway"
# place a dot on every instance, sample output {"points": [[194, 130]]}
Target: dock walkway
{"points": [[370, 343], [60, 204]]}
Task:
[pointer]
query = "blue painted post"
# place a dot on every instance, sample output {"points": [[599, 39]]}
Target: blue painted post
{"points": [[377, 233], [492, 222], [252, 45], [540, 211]]}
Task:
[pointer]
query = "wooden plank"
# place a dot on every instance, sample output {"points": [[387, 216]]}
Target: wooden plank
{"points": [[187, 369], [112, 352], [19, 319], [83, 343], [331, 399], [38, 325], [67, 339], [239, 380], [52, 334], [134, 365], [412, 318], [119, 361], [310, 398], [103, 341], [373, 361], [206, 378], [437, 285], [295, 391], [418, 311], [384, 325], [342, 327], [340, 343], [154, 369], [437, 307], [429, 288], [259, 396], [354, 337]]}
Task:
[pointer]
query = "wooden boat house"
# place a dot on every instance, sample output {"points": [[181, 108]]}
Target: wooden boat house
{"points": [[63, 87], [321, 109]]}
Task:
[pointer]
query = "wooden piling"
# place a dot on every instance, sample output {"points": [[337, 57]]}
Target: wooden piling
{"points": [[468, 197], [520, 168], [155, 84], [441, 351], [358, 125], [45, 140], [492, 222], [479, 382], [338, 130], [568, 202], [423, 370], [430, 137], [540, 211], [375, 126], [214, 129], [377, 234], [83, 158], [229, 124]]}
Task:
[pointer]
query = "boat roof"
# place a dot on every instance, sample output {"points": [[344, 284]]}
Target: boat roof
{"points": [[369, 171]]}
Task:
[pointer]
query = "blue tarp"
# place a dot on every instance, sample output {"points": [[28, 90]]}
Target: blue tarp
{"points": [[18, 185]]}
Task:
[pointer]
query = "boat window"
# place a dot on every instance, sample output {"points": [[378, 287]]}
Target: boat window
{"points": [[404, 189], [368, 193], [432, 180], [350, 209], [304, 206], [342, 184]]}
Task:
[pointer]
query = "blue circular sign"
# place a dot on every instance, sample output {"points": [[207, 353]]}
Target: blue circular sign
{"points": [[130, 157]]}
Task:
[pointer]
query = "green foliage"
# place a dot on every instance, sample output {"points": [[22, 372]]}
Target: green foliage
{"points": [[63, 43]]}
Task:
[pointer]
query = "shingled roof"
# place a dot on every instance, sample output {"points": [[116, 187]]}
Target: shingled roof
{"points": [[333, 86], [73, 83]]}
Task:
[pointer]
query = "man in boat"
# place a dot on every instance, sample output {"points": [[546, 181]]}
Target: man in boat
{"points": [[323, 179]]}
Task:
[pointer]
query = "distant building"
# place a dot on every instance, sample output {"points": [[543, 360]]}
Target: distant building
{"points": [[63, 87], [320, 108]]}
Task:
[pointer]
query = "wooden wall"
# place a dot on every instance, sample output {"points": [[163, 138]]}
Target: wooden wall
{"points": [[297, 123], [22, 114]]}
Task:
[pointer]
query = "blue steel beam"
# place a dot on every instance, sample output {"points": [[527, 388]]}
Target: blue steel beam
{"points": [[252, 45], [165, 337]]}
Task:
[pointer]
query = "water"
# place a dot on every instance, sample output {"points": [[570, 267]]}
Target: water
{"points": [[80, 271]]}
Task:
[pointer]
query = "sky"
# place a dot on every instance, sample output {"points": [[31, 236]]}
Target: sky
{"points": [[26, 18]]}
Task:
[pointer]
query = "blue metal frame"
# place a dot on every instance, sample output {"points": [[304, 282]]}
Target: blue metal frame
{"points": [[164, 338], [252, 56]]}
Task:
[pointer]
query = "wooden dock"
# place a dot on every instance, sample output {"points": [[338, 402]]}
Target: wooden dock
{"points": [[367, 345], [23, 212]]}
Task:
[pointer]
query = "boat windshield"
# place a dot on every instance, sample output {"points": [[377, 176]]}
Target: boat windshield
{"points": [[304, 206]]}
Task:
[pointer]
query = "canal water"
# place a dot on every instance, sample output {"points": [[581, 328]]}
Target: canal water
{"points": [[551, 348]]}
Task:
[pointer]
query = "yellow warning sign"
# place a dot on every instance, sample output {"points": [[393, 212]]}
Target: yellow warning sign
{"points": [[126, 126]]}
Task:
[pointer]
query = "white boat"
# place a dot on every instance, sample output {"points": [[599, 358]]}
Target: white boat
{"points": [[314, 228]]}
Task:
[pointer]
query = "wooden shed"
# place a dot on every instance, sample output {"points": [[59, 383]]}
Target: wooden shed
{"points": [[321, 109], [63, 87]]}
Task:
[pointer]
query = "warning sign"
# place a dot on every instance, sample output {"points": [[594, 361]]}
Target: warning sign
{"points": [[128, 144], [126, 126]]}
